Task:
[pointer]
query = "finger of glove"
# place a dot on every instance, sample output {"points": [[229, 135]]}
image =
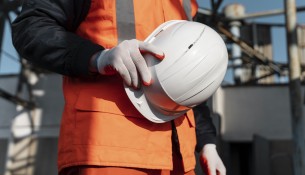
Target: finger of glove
{"points": [[151, 49], [208, 164], [123, 71], [211, 170], [132, 70], [221, 169], [141, 66], [221, 172]]}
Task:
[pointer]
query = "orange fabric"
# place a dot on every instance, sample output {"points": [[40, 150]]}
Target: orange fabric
{"points": [[95, 170], [102, 170], [100, 126]]}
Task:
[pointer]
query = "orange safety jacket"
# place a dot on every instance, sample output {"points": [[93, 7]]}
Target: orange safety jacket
{"points": [[100, 126]]}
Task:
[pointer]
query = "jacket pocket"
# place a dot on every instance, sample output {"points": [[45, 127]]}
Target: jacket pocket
{"points": [[111, 101], [102, 122]]}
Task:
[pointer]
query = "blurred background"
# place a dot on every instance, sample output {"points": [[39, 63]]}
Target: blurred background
{"points": [[258, 110]]}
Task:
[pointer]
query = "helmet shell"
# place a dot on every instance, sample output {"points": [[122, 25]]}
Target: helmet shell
{"points": [[194, 66]]}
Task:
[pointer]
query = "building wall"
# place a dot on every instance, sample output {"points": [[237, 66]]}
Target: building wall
{"points": [[254, 110], [28, 138]]}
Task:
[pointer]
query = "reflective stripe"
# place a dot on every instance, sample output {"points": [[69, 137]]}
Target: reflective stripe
{"points": [[125, 20], [188, 9]]}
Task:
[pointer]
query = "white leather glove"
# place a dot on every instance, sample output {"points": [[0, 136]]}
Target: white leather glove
{"points": [[210, 161], [127, 60]]}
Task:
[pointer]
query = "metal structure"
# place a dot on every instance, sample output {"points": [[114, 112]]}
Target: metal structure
{"points": [[295, 88], [250, 58], [5, 8], [20, 154]]}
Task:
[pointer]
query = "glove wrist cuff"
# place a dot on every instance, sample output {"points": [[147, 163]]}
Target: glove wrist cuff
{"points": [[209, 146], [98, 61], [94, 68], [93, 61]]}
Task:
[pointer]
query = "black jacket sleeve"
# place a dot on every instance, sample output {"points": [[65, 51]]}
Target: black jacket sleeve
{"points": [[44, 34], [205, 129]]}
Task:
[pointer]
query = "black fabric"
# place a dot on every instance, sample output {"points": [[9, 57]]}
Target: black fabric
{"points": [[205, 129], [175, 141], [44, 34]]}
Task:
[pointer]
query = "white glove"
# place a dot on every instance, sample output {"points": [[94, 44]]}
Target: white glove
{"points": [[127, 60], [210, 161]]}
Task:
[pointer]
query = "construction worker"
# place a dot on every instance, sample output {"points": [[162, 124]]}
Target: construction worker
{"points": [[97, 45]]}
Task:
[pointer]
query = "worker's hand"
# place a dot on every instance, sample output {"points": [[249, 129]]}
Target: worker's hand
{"points": [[127, 60], [210, 161]]}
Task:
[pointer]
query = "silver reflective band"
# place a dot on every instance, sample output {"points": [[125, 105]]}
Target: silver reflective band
{"points": [[188, 9], [125, 20]]}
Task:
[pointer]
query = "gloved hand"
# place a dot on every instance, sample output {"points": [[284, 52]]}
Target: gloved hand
{"points": [[127, 60], [210, 161]]}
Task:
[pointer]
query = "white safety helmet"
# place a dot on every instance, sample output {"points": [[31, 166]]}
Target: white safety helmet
{"points": [[194, 66]]}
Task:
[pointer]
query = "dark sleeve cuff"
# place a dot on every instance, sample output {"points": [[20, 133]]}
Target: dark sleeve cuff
{"points": [[78, 64], [205, 139]]}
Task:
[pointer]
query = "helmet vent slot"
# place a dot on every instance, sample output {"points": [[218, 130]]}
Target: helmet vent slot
{"points": [[159, 33]]}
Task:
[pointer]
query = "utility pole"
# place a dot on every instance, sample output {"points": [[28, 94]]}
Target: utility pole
{"points": [[295, 88]]}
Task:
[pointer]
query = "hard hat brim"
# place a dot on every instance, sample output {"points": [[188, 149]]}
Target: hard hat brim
{"points": [[139, 101]]}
